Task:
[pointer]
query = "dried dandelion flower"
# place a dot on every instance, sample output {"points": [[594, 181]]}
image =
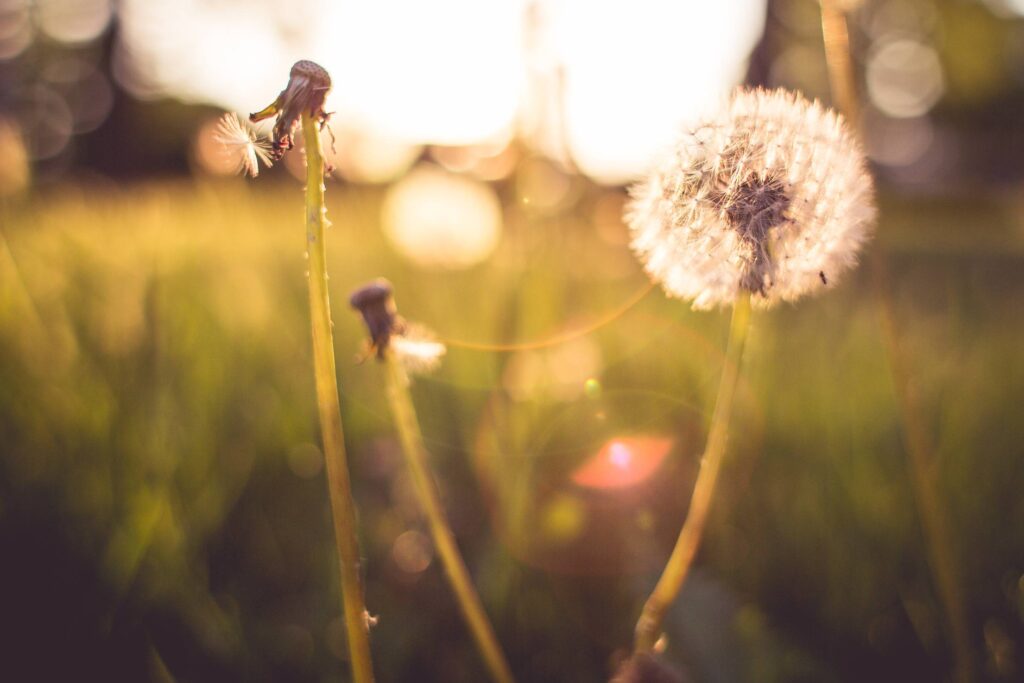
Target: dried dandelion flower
{"points": [[770, 197], [414, 346], [308, 84], [243, 146], [377, 306]]}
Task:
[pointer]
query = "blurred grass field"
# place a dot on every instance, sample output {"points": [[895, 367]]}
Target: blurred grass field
{"points": [[166, 518]]}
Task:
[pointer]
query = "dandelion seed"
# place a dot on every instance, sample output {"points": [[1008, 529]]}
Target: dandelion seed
{"points": [[418, 349], [308, 85], [243, 145], [764, 197]]}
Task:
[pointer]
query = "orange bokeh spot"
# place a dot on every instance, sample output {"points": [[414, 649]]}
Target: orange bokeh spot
{"points": [[622, 462]]}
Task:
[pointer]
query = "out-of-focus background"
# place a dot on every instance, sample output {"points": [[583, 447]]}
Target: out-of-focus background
{"points": [[163, 510]]}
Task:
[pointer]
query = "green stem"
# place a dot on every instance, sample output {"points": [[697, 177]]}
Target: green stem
{"points": [[648, 627], [343, 506], [444, 539]]}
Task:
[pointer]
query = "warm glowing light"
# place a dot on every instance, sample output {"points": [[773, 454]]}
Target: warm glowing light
{"points": [[541, 185], [487, 161], [14, 168], [15, 30], [86, 90], [438, 219], [634, 73], [623, 462], [904, 78], [442, 72], [365, 155], [564, 518], [896, 141], [617, 80], [620, 455], [412, 552], [561, 371], [74, 21]]}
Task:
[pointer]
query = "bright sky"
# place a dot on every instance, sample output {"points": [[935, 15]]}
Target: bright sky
{"points": [[459, 71]]}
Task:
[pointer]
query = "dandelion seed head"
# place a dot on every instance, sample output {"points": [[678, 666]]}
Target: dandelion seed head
{"points": [[765, 197], [242, 145], [415, 347]]}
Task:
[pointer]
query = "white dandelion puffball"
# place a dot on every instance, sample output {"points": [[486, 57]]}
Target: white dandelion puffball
{"points": [[771, 196]]}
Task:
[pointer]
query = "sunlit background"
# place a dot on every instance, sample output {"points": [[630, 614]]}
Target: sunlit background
{"points": [[163, 510]]}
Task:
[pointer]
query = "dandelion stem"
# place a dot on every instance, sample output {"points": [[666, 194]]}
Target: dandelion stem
{"points": [[430, 501], [342, 504], [941, 557], [648, 627], [836, 38]]}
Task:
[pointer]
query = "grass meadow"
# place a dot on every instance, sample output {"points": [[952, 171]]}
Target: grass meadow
{"points": [[161, 483]]}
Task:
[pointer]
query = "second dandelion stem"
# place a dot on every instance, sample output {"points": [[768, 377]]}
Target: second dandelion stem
{"points": [[444, 540], [648, 627]]}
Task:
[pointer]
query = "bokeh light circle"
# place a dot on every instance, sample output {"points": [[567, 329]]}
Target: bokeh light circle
{"points": [[904, 78], [74, 21], [441, 220]]}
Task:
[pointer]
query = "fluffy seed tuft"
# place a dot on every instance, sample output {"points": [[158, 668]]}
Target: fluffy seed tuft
{"points": [[770, 196], [245, 148], [418, 349]]}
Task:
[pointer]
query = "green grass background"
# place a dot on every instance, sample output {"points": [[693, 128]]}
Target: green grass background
{"points": [[163, 516]]}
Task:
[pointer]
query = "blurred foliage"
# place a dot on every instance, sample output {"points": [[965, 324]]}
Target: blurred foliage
{"points": [[163, 513]]}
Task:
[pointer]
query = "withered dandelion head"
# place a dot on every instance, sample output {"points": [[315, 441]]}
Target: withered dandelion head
{"points": [[377, 306], [242, 145], [771, 196], [413, 345], [308, 85]]}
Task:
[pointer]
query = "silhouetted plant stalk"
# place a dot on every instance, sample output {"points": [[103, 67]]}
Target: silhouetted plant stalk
{"points": [[397, 348], [920, 458], [444, 540], [766, 201], [648, 627], [302, 101], [342, 503]]}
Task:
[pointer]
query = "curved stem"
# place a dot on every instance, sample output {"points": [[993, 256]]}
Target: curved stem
{"points": [[648, 627], [444, 540], [343, 507]]}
